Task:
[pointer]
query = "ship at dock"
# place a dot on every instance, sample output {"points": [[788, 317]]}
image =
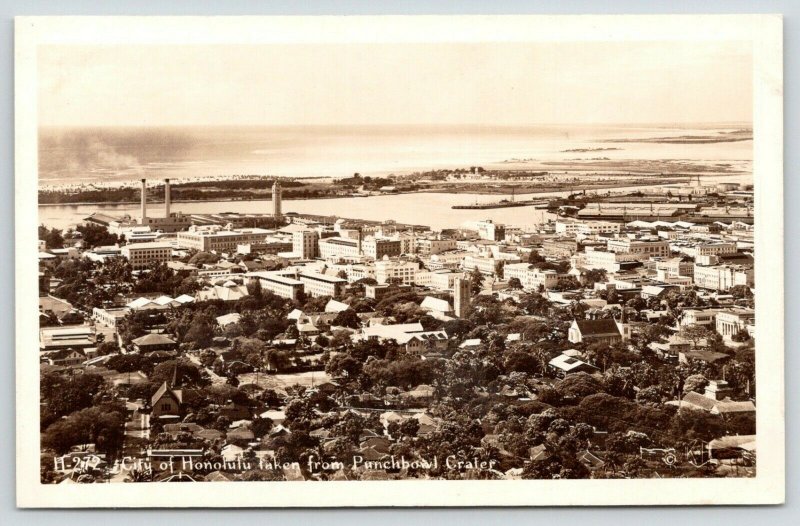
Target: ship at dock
{"points": [[504, 203]]}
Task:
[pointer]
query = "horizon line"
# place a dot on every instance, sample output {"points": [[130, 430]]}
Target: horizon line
{"points": [[408, 125]]}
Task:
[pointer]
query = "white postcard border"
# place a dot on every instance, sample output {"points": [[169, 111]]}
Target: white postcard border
{"points": [[764, 31]]}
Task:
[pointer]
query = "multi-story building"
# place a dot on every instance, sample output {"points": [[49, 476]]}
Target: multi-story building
{"points": [[715, 249], [602, 259], [396, 270], [571, 227], [560, 247], [215, 239], [339, 248], [533, 278], [723, 277], [143, 255], [437, 279], [674, 267], [317, 285], [731, 321], [428, 247], [279, 284], [642, 248], [305, 244], [446, 260], [490, 230], [486, 265], [377, 248], [109, 317], [356, 272], [377, 292], [702, 317], [270, 246], [598, 227]]}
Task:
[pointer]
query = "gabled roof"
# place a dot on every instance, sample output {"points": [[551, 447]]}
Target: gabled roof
{"points": [[336, 306], [184, 298], [164, 389], [437, 304], [138, 303], [241, 434], [602, 327], [566, 363], [699, 401], [64, 353], [729, 406], [227, 319], [295, 314], [163, 300], [153, 339]]}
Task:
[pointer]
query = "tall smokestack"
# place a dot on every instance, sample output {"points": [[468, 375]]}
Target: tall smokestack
{"points": [[167, 198], [144, 201]]}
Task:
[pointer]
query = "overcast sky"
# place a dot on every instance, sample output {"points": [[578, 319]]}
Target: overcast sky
{"points": [[488, 84]]}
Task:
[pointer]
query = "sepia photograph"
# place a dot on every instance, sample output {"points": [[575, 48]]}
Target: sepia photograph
{"points": [[384, 257]]}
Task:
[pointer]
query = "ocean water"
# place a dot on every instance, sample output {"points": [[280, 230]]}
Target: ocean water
{"points": [[91, 155], [431, 209]]}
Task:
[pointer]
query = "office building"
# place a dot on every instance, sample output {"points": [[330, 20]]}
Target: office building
{"points": [[305, 244], [396, 271], [144, 255], [316, 285]]}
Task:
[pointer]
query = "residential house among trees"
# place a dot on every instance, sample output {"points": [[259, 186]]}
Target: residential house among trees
{"points": [[592, 331]]}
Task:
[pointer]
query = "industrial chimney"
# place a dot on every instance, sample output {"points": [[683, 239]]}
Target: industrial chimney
{"points": [[144, 201], [167, 198]]}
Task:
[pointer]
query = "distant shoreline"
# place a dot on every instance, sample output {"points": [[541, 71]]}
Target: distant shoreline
{"points": [[478, 191]]}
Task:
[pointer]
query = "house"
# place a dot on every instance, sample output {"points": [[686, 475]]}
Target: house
{"points": [[739, 445], [176, 429], [154, 342], [241, 433], [167, 403], [401, 333], [564, 364], [276, 415], [228, 291], [422, 393], [235, 412], [66, 357], [703, 356], [209, 434], [336, 306], [231, 452], [672, 347], [539, 453], [655, 291], [431, 304], [592, 331], [697, 401], [228, 319], [472, 343], [590, 460], [427, 341]]}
